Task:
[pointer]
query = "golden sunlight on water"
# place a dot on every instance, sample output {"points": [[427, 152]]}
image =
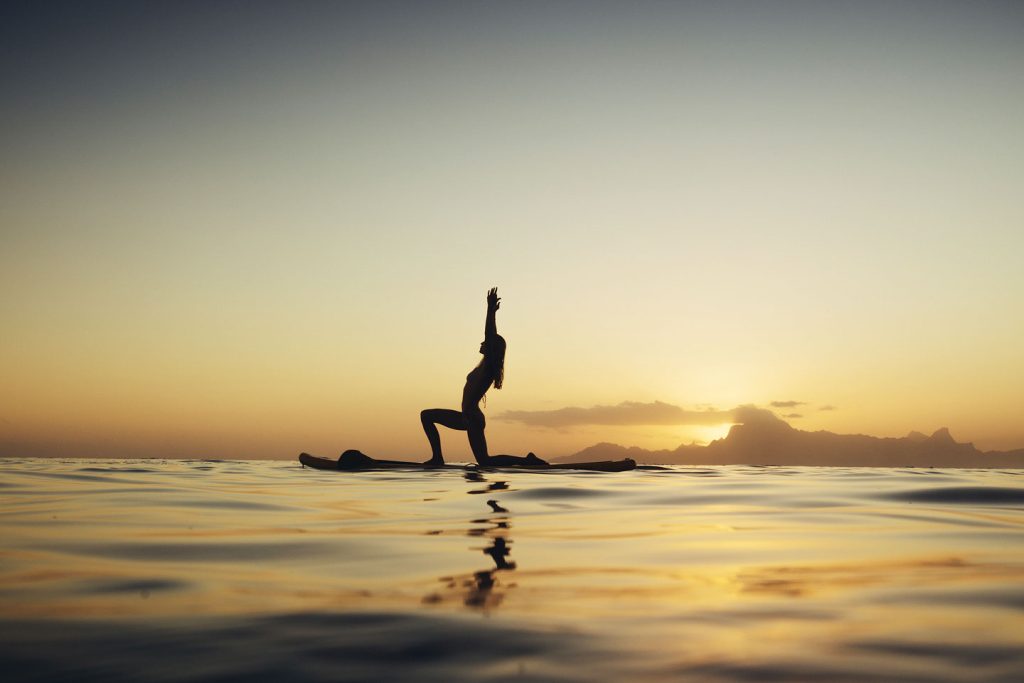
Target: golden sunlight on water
{"points": [[731, 573]]}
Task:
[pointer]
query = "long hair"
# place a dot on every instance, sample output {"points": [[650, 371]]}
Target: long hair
{"points": [[494, 356]]}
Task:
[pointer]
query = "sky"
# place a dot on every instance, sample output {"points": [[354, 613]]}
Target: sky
{"points": [[251, 229]]}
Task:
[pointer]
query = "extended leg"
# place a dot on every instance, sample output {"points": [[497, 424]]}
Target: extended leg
{"points": [[475, 424], [452, 419], [478, 442]]}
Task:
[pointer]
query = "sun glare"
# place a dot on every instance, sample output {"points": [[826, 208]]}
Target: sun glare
{"points": [[705, 434]]}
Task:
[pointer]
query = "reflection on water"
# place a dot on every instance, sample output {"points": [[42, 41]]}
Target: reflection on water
{"points": [[231, 570], [482, 589]]}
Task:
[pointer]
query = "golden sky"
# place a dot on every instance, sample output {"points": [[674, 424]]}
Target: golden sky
{"points": [[249, 232]]}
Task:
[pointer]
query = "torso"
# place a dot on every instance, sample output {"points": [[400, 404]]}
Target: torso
{"points": [[477, 384]]}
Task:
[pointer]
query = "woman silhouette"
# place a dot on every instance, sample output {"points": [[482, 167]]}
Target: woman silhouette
{"points": [[490, 370]]}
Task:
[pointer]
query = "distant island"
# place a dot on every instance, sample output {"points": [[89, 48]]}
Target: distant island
{"points": [[762, 438]]}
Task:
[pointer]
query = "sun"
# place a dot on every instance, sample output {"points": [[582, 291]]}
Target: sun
{"points": [[708, 433]]}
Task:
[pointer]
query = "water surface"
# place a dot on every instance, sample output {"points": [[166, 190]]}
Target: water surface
{"points": [[229, 570]]}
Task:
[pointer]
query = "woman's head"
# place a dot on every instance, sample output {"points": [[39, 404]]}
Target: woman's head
{"points": [[494, 358]]}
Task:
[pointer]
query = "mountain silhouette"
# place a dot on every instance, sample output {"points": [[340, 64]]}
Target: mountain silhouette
{"points": [[762, 438]]}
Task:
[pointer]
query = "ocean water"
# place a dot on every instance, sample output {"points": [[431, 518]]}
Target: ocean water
{"points": [[243, 570]]}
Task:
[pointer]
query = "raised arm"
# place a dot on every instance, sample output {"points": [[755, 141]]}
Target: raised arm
{"points": [[493, 303]]}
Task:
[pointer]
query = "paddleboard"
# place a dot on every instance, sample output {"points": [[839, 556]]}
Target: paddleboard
{"points": [[371, 464]]}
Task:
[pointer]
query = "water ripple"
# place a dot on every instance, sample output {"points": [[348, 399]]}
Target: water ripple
{"points": [[241, 570], [211, 552], [971, 495]]}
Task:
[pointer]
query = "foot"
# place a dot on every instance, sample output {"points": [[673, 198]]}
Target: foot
{"points": [[434, 462]]}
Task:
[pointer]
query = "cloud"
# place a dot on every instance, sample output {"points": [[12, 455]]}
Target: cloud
{"points": [[792, 416], [625, 413], [751, 414], [787, 404], [828, 408]]}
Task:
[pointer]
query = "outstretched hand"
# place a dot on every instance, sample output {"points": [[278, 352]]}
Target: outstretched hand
{"points": [[493, 302]]}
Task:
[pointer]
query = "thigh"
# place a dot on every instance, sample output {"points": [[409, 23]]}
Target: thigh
{"points": [[474, 418], [452, 419]]}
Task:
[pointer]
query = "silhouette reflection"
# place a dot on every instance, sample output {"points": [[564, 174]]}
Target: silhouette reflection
{"points": [[482, 589]]}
